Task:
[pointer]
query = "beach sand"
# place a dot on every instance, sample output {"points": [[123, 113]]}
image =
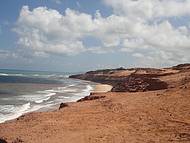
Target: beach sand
{"points": [[102, 88], [152, 117], [161, 116]]}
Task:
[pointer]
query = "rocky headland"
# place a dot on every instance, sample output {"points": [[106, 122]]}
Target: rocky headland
{"points": [[135, 79], [145, 105]]}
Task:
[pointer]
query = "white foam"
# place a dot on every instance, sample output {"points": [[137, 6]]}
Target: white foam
{"points": [[64, 89], [37, 98], [14, 111], [17, 111], [42, 99], [88, 88], [66, 76], [48, 96], [79, 95], [3, 74], [66, 97]]}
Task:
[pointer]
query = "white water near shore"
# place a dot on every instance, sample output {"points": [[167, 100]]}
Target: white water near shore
{"points": [[42, 99], [19, 98]]}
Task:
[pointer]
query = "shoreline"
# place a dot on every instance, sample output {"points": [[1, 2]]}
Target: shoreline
{"points": [[152, 115], [99, 88]]}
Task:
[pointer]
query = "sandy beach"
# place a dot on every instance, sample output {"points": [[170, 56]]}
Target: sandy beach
{"points": [[160, 116], [102, 71], [101, 88]]}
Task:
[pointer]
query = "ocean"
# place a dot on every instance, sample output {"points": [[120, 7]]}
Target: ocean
{"points": [[22, 92]]}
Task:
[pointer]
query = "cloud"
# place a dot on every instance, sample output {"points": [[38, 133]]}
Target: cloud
{"points": [[6, 54], [140, 27], [152, 37], [148, 9], [46, 30]]}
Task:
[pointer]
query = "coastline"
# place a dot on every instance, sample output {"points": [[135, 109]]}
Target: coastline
{"points": [[99, 88], [159, 116]]}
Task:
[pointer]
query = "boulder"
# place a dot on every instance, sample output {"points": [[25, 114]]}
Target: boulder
{"points": [[63, 105], [3, 141]]}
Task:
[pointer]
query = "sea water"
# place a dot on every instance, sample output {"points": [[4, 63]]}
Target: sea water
{"points": [[27, 91]]}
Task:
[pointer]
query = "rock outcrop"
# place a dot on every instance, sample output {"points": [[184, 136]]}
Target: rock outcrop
{"points": [[182, 67], [3, 141], [63, 105], [133, 79], [139, 83]]}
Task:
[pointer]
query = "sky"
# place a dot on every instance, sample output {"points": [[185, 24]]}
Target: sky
{"points": [[81, 35]]}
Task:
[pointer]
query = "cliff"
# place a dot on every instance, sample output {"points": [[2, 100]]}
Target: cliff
{"points": [[135, 79]]}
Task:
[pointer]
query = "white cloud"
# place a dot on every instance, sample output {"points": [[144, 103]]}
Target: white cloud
{"points": [[151, 33], [46, 30], [133, 27], [6, 54], [138, 55], [147, 9]]}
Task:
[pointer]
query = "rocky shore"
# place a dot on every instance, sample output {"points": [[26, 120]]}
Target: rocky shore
{"points": [[134, 79], [145, 105]]}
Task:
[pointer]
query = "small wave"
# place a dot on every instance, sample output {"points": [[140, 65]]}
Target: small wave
{"points": [[64, 89], [3, 74], [71, 91], [37, 98], [48, 96], [65, 76], [46, 91], [36, 75], [13, 111], [66, 97], [88, 88], [17, 75], [85, 92], [44, 75], [17, 111]]}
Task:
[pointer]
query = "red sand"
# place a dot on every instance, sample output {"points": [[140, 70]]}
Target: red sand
{"points": [[161, 116]]}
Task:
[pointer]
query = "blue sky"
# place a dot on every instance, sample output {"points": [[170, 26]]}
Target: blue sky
{"points": [[80, 35], [9, 12]]}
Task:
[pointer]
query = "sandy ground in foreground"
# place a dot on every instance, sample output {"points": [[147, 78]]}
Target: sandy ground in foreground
{"points": [[151, 117], [161, 116]]}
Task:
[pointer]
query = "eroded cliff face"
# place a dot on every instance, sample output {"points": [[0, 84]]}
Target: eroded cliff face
{"points": [[139, 79], [160, 116]]}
